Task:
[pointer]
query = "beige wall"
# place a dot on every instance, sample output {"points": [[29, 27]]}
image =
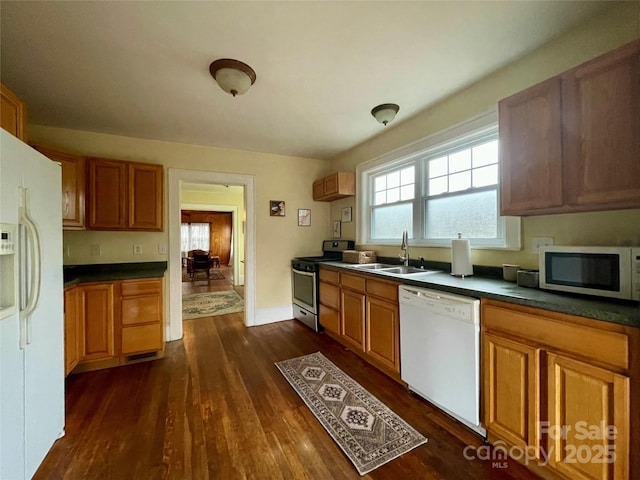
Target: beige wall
{"points": [[618, 26], [277, 177]]}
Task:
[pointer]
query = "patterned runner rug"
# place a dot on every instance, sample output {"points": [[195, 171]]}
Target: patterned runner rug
{"points": [[207, 304], [363, 427]]}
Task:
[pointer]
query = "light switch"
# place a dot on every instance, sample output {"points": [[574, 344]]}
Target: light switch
{"points": [[162, 248]]}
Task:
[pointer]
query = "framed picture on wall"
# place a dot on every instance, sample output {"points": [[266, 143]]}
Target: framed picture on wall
{"points": [[304, 217], [336, 229], [276, 208], [346, 214]]}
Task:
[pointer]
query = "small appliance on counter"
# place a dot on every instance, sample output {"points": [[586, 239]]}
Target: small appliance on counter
{"points": [[305, 284], [602, 271]]}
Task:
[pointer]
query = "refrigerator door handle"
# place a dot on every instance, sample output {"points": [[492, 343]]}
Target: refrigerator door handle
{"points": [[30, 291]]}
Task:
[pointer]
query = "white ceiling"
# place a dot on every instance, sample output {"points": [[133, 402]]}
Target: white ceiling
{"points": [[141, 69]]}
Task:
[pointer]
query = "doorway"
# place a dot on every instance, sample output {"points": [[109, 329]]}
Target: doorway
{"points": [[210, 228], [243, 221]]}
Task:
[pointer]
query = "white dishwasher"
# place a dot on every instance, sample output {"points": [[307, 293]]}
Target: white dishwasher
{"points": [[440, 351]]}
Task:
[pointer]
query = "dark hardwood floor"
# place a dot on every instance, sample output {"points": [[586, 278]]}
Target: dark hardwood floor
{"points": [[216, 407]]}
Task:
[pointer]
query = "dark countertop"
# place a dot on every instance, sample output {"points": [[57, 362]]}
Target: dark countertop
{"points": [[105, 272], [609, 310]]}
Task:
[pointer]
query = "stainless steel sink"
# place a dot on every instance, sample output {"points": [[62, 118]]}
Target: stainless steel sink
{"points": [[372, 266], [404, 270], [393, 270]]}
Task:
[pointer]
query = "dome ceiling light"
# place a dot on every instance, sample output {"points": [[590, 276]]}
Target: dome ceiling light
{"points": [[233, 76], [385, 113]]}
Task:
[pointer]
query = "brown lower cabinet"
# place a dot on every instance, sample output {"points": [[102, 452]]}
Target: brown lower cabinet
{"points": [[362, 313], [562, 387], [71, 330], [113, 323]]}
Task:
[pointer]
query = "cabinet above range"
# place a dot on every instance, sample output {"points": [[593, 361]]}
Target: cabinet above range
{"points": [[335, 186]]}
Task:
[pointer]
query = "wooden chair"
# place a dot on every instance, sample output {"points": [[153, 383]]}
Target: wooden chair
{"points": [[201, 263]]}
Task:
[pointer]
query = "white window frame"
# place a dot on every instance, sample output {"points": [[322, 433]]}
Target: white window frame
{"points": [[484, 126]]}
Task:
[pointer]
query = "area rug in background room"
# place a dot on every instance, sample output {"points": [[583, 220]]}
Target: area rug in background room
{"points": [[363, 427], [212, 276], [196, 305]]}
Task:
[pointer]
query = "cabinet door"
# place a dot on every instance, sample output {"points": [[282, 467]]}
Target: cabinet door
{"points": [[107, 194], [12, 114], [601, 105], [330, 319], [318, 189], [353, 315], [331, 185], [145, 196], [71, 330], [330, 302], [330, 295], [511, 390], [383, 333], [584, 401], [73, 186], [531, 150], [97, 321]]}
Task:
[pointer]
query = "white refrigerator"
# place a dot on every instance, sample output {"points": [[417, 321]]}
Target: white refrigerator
{"points": [[31, 308]]}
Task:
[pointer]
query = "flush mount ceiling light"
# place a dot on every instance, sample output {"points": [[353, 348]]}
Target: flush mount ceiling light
{"points": [[233, 76], [385, 113]]}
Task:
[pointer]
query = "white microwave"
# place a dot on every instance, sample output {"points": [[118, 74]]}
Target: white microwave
{"points": [[602, 271]]}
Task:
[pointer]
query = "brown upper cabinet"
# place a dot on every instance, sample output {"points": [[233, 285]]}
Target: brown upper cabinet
{"points": [[124, 195], [572, 143], [12, 114], [334, 186], [74, 172]]}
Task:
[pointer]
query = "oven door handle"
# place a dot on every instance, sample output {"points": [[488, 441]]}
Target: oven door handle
{"points": [[301, 272]]}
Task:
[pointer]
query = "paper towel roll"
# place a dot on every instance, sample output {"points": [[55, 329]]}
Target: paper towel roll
{"points": [[461, 257]]}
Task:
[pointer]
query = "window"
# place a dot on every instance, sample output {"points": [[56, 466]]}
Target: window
{"points": [[194, 236], [445, 185], [393, 194], [462, 193]]}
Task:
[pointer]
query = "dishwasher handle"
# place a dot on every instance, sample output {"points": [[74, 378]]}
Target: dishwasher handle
{"points": [[447, 304], [419, 293]]}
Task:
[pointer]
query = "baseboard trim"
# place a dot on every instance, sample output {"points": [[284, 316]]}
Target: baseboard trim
{"points": [[273, 314]]}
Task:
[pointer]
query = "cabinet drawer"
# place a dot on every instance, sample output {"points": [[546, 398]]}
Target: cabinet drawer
{"points": [[141, 287], [143, 338], [329, 276], [560, 332], [330, 295], [386, 290], [354, 282], [141, 310]]}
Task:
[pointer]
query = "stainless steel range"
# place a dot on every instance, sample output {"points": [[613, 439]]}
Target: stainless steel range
{"points": [[304, 281]]}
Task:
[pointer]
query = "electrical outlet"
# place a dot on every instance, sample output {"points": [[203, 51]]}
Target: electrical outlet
{"points": [[162, 248], [537, 242], [94, 250], [137, 249]]}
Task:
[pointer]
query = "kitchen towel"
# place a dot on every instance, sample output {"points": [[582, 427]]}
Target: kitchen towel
{"points": [[461, 257]]}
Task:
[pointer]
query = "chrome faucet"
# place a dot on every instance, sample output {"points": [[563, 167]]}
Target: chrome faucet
{"points": [[404, 246]]}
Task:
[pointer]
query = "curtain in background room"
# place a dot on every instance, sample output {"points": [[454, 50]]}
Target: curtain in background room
{"points": [[194, 236]]}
